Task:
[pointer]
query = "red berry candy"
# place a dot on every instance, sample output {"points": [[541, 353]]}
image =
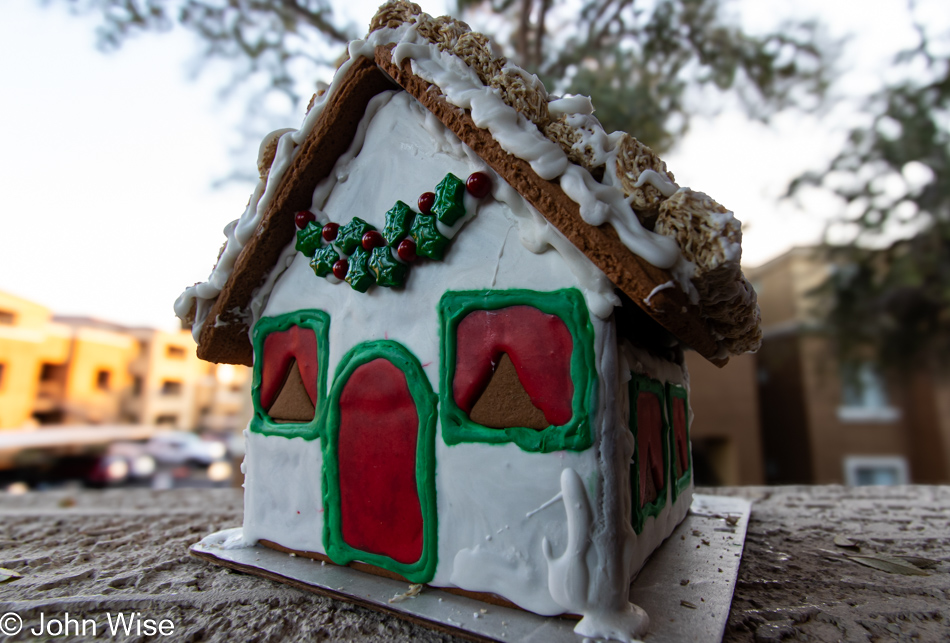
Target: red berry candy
{"points": [[340, 268], [407, 250], [478, 185], [426, 201], [304, 217], [373, 239], [330, 230]]}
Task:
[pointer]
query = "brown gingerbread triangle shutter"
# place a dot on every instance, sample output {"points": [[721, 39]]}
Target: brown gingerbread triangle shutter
{"points": [[505, 403], [292, 403]]}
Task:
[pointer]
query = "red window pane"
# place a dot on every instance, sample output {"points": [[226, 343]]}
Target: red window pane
{"points": [[650, 446], [380, 510], [679, 433], [281, 348], [539, 345]]}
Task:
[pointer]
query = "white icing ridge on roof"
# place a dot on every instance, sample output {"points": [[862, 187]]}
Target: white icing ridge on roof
{"points": [[599, 203]]}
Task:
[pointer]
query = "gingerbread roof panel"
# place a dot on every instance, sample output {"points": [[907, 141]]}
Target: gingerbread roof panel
{"points": [[673, 251]]}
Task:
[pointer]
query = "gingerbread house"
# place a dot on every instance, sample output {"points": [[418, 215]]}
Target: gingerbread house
{"points": [[466, 306]]}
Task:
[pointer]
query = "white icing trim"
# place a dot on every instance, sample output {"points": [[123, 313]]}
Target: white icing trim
{"points": [[570, 105]]}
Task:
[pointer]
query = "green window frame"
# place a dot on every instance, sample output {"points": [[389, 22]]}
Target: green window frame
{"points": [[639, 514], [674, 391], [567, 304], [423, 570], [319, 322]]}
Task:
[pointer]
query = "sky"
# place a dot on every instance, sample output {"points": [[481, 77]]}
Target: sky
{"points": [[111, 164]]}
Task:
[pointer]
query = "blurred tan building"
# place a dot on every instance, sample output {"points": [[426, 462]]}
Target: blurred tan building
{"points": [[824, 424], [725, 434], [76, 370]]}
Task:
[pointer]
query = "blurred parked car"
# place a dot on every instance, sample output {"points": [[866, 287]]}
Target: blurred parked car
{"points": [[122, 462], [181, 447]]}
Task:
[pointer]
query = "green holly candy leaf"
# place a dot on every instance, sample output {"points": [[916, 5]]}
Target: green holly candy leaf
{"points": [[388, 271], [429, 241], [449, 204], [323, 261], [398, 220], [359, 276], [309, 239], [350, 236]]}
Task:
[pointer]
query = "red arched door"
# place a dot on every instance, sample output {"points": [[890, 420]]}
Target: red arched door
{"points": [[379, 503]]}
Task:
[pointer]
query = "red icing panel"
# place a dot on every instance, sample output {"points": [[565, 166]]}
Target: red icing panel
{"points": [[539, 346], [280, 348], [379, 502], [650, 444], [679, 432]]}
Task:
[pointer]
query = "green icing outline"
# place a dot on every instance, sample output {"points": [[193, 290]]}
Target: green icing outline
{"points": [[423, 570], [569, 305], [319, 322], [681, 483], [639, 514]]}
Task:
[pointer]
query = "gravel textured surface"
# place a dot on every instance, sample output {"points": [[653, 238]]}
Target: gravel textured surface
{"points": [[795, 584], [95, 554]]}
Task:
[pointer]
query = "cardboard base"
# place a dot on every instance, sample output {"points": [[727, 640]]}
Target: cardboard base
{"points": [[686, 587]]}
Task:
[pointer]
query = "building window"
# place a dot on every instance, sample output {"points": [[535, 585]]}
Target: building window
{"points": [[7, 318], [137, 385], [290, 373], [175, 352], [171, 387], [52, 372], [678, 414], [860, 471], [103, 379], [3, 369], [650, 465], [517, 366], [864, 395], [167, 420]]}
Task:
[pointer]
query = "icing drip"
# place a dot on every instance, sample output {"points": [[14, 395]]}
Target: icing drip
{"points": [[227, 539], [663, 286], [601, 204], [545, 505], [261, 293], [666, 187], [569, 575]]}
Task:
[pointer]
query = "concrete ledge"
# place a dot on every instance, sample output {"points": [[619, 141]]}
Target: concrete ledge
{"points": [[97, 554]]}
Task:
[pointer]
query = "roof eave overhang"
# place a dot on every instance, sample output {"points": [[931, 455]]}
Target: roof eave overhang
{"points": [[224, 337]]}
